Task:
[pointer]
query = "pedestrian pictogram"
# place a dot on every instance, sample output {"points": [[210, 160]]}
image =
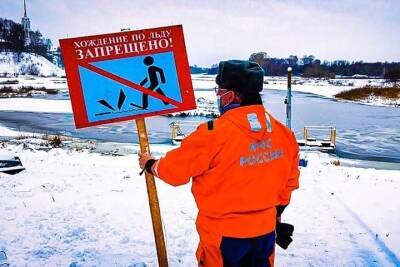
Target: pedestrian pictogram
{"points": [[127, 75], [153, 79]]}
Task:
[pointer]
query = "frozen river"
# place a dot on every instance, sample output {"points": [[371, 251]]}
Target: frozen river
{"points": [[364, 132]]}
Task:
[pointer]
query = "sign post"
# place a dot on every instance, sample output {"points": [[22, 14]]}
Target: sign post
{"points": [[130, 75], [153, 198]]}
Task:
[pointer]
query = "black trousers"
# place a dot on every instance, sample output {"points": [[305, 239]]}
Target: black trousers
{"points": [[247, 252]]}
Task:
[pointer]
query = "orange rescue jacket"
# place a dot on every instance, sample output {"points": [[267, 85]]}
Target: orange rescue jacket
{"points": [[241, 169]]}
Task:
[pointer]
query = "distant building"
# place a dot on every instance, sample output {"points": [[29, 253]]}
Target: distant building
{"points": [[26, 26]]}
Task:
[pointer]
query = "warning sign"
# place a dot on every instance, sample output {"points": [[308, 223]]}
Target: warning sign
{"points": [[127, 75]]}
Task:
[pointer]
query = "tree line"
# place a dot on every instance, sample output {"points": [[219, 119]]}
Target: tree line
{"points": [[309, 66], [12, 39]]}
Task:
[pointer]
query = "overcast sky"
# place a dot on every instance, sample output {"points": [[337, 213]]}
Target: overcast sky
{"points": [[366, 30]]}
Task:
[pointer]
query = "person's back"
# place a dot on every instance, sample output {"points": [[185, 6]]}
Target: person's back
{"points": [[247, 173], [242, 166]]}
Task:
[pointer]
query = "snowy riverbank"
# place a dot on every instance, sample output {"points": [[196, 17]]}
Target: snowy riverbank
{"points": [[204, 92], [12, 64], [74, 206], [322, 87]]}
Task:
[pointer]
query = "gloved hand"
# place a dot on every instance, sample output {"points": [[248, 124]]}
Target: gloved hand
{"points": [[146, 161], [284, 232]]}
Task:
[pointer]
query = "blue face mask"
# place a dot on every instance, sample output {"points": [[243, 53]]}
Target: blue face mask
{"points": [[219, 105]]}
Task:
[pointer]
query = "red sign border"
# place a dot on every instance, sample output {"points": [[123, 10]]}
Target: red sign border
{"points": [[71, 64]]}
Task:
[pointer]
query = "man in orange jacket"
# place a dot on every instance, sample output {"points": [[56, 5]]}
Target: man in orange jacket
{"points": [[243, 166]]}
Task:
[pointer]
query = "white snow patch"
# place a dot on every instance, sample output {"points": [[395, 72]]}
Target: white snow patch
{"points": [[35, 105], [382, 102], [12, 64], [7, 132], [204, 84]]}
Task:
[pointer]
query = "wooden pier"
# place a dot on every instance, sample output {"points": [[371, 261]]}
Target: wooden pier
{"points": [[322, 138]]}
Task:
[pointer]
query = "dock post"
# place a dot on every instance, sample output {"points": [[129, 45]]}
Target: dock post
{"points": [[288, 100]]}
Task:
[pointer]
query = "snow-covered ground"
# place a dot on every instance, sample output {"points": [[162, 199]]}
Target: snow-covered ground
{"points": [[72, 206], [374, 100], [12, 64], [323, 87], [35, 105]]}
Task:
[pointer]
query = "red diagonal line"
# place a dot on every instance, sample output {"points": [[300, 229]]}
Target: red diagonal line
{"points": [[130, 84]]}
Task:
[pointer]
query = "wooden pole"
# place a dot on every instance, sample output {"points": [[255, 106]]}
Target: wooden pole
{"points": [[153, 198]]}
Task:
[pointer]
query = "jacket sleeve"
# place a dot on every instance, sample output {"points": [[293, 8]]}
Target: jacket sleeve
{"points": [[293, 179], [191, 159]]}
